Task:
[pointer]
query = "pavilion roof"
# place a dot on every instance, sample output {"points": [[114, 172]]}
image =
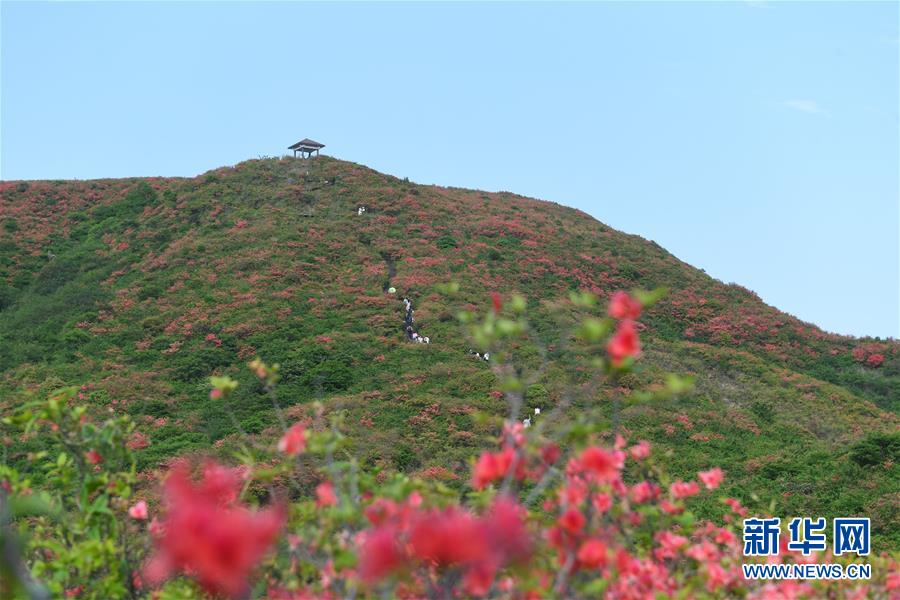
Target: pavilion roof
{"points": [[306, 143]]}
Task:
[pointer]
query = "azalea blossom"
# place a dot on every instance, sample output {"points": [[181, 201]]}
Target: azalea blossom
{"points": [[669, 544], [550, 453], [492, 466], [640, 451], [447, 537], [208, 534], [712, 478], [406, 536], [138, 511], [572, 520], [293, 442], [602, 502], [93, 457], [380, 554], [603, 464], [592, 554], [624, 343], [643, 492], [623, 306], [325, 495], [497, 302], [680, 489]]}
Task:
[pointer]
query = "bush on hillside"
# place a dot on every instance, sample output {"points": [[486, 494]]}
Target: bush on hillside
{"points": [[876, 449], [445, 242]]}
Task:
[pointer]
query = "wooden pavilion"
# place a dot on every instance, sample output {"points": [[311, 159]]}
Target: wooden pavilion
{"points": [[306, 146]]}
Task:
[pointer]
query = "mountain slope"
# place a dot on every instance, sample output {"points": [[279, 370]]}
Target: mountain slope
{"points": [[140, 288]]}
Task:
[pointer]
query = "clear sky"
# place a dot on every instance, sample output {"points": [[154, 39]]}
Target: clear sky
{"points": [[758, 141]]}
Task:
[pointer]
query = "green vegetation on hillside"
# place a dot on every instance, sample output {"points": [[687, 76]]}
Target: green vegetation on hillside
{"points": [[136, 290]]}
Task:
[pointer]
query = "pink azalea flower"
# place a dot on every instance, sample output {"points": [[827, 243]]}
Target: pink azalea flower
{"points": [[712, 478], [138, 511]]}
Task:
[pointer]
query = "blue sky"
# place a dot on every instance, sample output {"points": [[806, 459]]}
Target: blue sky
{"points": [[758, 141]]}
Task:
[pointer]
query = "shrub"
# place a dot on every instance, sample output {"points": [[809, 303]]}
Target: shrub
{"points": [[876, 449], [445, 242], [536, 396], [763, 411], [330, 376]]}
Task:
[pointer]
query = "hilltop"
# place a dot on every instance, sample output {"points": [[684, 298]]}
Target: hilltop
{"points": [[138, 289]]}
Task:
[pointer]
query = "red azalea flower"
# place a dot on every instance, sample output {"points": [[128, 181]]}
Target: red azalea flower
{"points": [[492, 466], [875, 360], [643, 492], [93, 457], [380, 554], [736, 506], [574, 492], [680, 489], [550, 453], [293, 442], [623, 306], [209, 534], [572, 520], [603, 464], [640, 450], [137, 441], [325, 494], [448, 537], [478, 579], [497, 302], [712, 478], [671, 509], [716, 576], [624, 343], [602, 502], [592, 554], [138, 511], [669, 544], [504, 528], [892, 582]]}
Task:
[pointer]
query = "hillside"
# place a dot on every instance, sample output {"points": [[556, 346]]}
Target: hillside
{"points": [[138, 289]]}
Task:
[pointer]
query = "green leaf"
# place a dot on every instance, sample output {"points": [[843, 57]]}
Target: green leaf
{"points": [[344, 559], [593, 330], [679, 385], [648, 299]]}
